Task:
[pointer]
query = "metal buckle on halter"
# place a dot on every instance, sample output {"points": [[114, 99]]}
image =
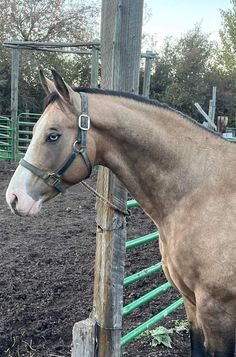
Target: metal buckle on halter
{"points": [[84, 122], [53, 179]]}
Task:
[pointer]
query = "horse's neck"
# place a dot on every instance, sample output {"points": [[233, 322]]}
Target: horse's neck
{"points": [[151, 150]]}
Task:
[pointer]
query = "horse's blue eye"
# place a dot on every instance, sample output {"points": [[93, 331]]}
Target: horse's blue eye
{"points": [[53, 137]]}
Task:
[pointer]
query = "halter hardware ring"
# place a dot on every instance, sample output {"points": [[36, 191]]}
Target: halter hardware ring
{"points": [[84, 122], [75, 149]]}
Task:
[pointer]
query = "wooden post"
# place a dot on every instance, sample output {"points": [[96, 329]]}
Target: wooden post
{"points": [[213, 110], [121, 28], [120, 57], [14, 100], [212, 105], [147, 74], [222, 122], [84, 339], [94, 67]]}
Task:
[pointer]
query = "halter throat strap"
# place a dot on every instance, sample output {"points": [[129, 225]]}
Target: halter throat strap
{"points": [[54, 179]]}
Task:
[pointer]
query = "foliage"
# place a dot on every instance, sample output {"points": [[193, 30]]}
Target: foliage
{"points": [[44, 20], [161, 334], [228, 38], [181, 69], [181, 326], [185, 72]]}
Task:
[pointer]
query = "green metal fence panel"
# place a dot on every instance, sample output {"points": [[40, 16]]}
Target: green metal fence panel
{"points": [[142, 274], [132, 203], [24, 127], [146, 298], [26, 122], [151, 294], [151, 322], [142, 240], [6, 138]]}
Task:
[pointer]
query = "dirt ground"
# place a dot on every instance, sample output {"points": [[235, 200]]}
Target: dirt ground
{"points": [[46, 277]]}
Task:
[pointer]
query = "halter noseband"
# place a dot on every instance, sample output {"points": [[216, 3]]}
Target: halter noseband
{"points": [[54, 179]]}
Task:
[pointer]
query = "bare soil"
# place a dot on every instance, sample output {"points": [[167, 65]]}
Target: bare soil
{"points": [[46, 277]]}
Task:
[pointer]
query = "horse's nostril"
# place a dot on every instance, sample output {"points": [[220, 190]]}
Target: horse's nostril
{"points": [[13, 202]]}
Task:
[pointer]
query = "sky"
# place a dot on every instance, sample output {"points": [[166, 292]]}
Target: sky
{"points": [[176, 17]]}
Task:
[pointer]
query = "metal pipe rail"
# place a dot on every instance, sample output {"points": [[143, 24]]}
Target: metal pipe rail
{"points": [[142, 274], [151, 322], [142, 240], [151, 294], [145, 298], [6, 134], [132, 203]]}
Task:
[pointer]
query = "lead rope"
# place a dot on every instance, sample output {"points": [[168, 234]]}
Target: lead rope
{"points": [[103, 199]]}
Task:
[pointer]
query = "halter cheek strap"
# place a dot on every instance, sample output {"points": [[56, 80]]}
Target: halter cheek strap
{"points": [[54, 179]]}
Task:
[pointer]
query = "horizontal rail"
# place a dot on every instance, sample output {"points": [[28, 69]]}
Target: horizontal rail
{"points": [[148, 324], [142, 274], [26, 123], [5, 151], [4, 118], [132, 203], [142, 240], [33, 45], [5, 144], [22, 147], [24, 140], [29, 115], [4, 136], [28, 132], [146, 298], [5, 127]]}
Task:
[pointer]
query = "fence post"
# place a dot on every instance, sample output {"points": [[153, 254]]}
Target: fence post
{"points": [[120, 57], [94, 67], [222, 122], [212, 105], [121, 27], [14, 100], [147, 74]]}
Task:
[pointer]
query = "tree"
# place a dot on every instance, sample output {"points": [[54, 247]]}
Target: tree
{"points": [[43, 20], [228, 38], [181, 70], [226, 64]]}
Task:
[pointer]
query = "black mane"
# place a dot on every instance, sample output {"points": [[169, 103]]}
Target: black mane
{"points": [[52, 97]]}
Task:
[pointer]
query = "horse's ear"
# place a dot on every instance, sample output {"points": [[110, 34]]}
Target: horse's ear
{"points": [[47, 85], [62, 88]]}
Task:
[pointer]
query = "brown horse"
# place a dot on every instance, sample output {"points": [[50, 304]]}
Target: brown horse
{"points": [[184, 177]]}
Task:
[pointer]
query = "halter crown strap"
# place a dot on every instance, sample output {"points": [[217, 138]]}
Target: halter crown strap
{"points": [[79, 148]]}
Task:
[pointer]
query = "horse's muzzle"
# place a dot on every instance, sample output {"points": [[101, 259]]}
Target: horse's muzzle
{"points": [[22, 204]]}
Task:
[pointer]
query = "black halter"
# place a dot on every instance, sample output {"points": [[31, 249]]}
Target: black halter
{"points": [[54, 179]]}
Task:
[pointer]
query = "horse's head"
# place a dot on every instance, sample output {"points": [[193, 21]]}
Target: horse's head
{"points": [[60, 153]]}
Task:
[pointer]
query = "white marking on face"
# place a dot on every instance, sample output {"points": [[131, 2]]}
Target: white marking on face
{"points": [[17, 195]]}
